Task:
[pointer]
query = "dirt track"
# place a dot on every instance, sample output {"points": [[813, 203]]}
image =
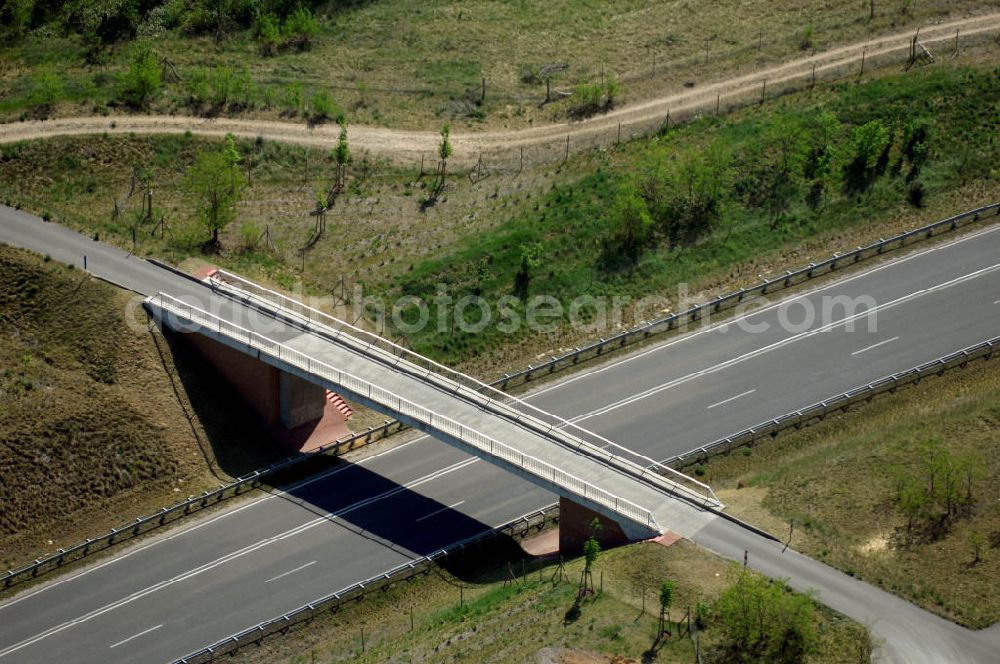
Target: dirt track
{"points": [[409, 146]]}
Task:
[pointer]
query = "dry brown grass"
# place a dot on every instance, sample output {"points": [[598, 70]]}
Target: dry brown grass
{"points": [[94, 418], [835, 481], [528, 622]]}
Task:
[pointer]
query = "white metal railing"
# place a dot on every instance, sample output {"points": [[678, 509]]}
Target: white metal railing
{"points": [[549, 424], [398, 404]]}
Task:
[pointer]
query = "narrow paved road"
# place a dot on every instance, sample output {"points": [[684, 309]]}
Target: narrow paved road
{"points": [[410, 146], [161, 600]]}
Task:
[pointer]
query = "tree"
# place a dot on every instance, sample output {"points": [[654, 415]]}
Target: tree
{"points": [[216, 183], [142, 80], [666, 600], [301, 27], [868, 150], [771, 168], [341, 155], [631, 222], [444, 151], [763, 620], [977, 540], [530, 259], [685, 196], [268, 34], [591, 550]]}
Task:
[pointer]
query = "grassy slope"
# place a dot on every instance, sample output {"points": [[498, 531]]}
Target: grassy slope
{"points": [[835, 481], [417, 63], [92, 432], [571, 219], [377, 236], [513, 624]]}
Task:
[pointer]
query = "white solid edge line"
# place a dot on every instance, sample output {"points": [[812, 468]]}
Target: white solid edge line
{"points": [[183, 576], [686, 336], [136, 636], [874, 346], [783, 342], [725, 401], [291, 571], [571, 379], [436, 512]]}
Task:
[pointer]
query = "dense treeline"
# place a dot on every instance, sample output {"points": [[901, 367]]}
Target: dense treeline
{"points": [[101, 23]]}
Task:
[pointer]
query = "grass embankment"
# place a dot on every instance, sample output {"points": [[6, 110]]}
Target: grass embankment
{"points": [[532, 619], [839, 481], [416, 64], [98, 423], [474, 238]]}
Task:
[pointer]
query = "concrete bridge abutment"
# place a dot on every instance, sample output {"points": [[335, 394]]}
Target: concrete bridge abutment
{"points": [[280, 398]]}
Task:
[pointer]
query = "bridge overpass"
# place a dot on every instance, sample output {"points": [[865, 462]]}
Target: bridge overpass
{"points": [[313, 351]]}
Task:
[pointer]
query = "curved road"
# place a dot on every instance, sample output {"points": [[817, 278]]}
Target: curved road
{"points": [[160, 600], [409, 146]]}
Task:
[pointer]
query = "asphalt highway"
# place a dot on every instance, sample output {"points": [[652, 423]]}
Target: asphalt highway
{"points": [[160, 600]]}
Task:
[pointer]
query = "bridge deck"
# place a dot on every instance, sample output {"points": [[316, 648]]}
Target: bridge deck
{"points": [[501, 433]]}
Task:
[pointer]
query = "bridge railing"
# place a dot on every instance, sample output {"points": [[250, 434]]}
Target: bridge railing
{"points": [[510, 406], [349, 382]]}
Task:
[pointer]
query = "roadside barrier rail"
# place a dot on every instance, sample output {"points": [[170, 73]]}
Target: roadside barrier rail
{"points": [[700, 312], [349, 382], [818, 411], [254, 635], [463, 386]]}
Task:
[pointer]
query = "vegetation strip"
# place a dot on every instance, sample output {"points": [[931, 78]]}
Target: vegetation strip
{"points": [[230, 645], [169, 514]]}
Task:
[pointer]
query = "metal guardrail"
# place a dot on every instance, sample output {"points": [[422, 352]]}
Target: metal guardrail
{"points": [[442, 423], [506, 405], [843, 401], [166, 515], [699, 312], [255, 634]]}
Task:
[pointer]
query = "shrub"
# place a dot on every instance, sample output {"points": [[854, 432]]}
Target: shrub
{"points": [[323, 107], [915, 194], [292, 99], [142, 80], [763, 620], [250, 235], [46, 88], [301, 27], [268, 34]]}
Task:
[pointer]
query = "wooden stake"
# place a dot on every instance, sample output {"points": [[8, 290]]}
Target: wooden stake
{"points": [[864, 52], [763, 91], [813, 84], [566, 157], [619, 133], [718, 98]]}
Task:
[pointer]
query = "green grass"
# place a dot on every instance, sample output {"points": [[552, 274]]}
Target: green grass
{"points": [[835, 480], [570, 219], [412, 63], [472, 239], [514, 623]]}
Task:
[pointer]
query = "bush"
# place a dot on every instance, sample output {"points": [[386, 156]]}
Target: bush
{"points": [[323, 107], [250, 235], [915, 194], [292, 99], [46, 88], [142, 80], [268, 34], [763, 620], [301, 27]]}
